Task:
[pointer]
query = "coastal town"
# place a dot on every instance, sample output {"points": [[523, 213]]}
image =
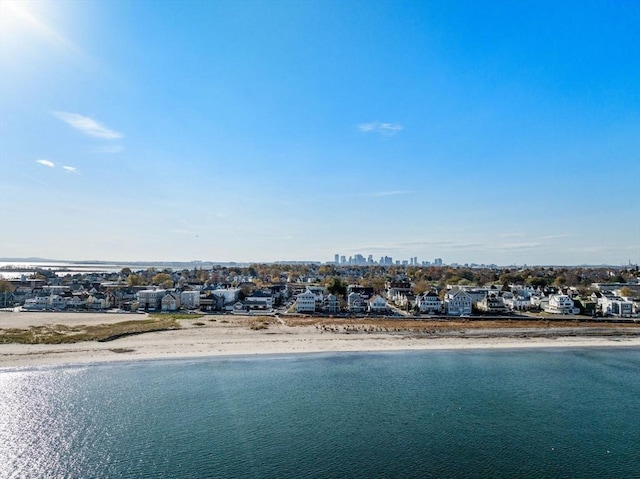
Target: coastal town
{"points": [[357, 287]]}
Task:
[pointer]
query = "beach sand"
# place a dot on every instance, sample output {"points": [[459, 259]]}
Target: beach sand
{"points": [[232, 335]]}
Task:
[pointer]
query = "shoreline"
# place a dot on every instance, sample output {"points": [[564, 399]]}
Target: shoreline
{"points": [[232, 337]]}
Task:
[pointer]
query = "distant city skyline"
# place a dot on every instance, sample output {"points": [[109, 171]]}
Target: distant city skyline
{"points": [[260, 131]]}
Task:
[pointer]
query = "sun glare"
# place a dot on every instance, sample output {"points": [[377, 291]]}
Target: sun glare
{"points": [[20, 20], [14, 15]]}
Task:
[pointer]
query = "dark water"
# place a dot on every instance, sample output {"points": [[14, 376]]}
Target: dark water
{"points": [[543, 413]]}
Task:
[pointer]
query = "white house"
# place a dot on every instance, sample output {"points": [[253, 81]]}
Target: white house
{"points": [[306, 302], [429, 303], [516, 302], [561, 304], [377, 305], [45, 302], [230, 295], [319, 291], [615, 306], [170, 302], [458, 302]]}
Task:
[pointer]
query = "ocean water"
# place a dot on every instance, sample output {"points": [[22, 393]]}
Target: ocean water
{"points": [[468, 414]]}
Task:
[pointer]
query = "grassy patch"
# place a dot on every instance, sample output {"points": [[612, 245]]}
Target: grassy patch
{"points": [[61, 334], [261, 322]]}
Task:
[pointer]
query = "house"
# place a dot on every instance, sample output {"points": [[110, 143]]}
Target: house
{"points": [[37, 303], [364, 291], [356, 303], [261, 297], [6, 299], [40, 303], [230, 295], [190, 299], [377, 305], [404, 300], [210, 301], [77, 301], [306, 302], [561, 304], [151, 299], [429, 303], [615, 306], [170, 302], [331, 304], [250, 306], [516, 301], [394, 288], [492, 303], [319, 291], [97, 301], [458, 302]]}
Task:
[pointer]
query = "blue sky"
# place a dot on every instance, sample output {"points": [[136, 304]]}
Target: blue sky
{"points": [[486, 132]]}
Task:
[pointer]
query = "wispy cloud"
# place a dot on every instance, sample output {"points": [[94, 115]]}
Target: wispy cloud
{"points": [[71, 169], [48, 163], [386, 129], [88, 126], [378, 194]]}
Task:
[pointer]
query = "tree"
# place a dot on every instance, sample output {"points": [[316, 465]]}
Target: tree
{"points": [[163, 279], [326, 270], [560, 281], [421, 286], [538, 282], [134, 280], [5, 286], [625, 291], [336, 286]]}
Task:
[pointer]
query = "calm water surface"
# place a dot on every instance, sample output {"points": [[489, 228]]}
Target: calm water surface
{"points": [[542, 413]]}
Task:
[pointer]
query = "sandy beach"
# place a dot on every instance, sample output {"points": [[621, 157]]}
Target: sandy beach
{"points": [[233, 335]]}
